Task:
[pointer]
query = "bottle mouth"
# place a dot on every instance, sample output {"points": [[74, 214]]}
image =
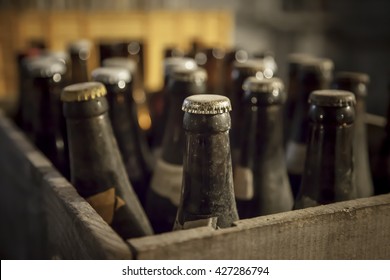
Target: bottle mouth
{"points": [[332, 98], [83, 92], [206, 104]]}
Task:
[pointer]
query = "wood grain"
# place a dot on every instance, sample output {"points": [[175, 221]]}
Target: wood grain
{"points": [[358, 229], [42, 215]]}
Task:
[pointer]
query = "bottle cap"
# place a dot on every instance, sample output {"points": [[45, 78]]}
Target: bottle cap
{"points": [[332, 98], [250, 64], [264, 91], [206, 104], [299, 58], [196, 75], [122, 62], [45, 66], [83, 92], [111, 75], [78, 46], [353, 77], [171, 62]]}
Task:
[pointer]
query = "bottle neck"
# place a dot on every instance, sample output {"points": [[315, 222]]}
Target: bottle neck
{"points": [[173, 140], [207, 176], [329, 166], [79, 68], [264, 140]]}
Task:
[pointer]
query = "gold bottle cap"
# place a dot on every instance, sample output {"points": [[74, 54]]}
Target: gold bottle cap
{"points": [[83, 92], [353, 76], [332, 98], [206, 104], [122, 62]]}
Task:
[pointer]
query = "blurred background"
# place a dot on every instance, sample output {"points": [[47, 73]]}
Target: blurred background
{"points": [[353, 33]]}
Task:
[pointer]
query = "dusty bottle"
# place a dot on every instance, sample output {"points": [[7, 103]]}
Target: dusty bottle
{"points": [[232, 56], [207, 189], [211, 59], [123, 115], [381, 161], [164, 194], [138, 92], [260, 176], [97, 170], [295, 61], [49, 133], [80, 52], [159, 101], [329, 163], [313, 74], [241, 71], [357, 84]]}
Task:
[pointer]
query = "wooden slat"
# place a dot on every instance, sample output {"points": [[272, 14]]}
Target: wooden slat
{"points": [[358, 229], [41, 214]]}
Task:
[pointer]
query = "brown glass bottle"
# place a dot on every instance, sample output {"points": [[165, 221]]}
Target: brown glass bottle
{"points": [[260, 176], [313, 74], [329, 165], [357, 84], [97, 170], [123, 115], [241, 71], [211, 59], [207, 188], [231, 57], [159, 101], [381, 162], [80, 52], [164, 194], [48, 133]]}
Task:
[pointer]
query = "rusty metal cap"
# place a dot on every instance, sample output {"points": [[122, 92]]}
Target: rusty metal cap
{"points": [[332, 98], [122, 62], [206, 104], [45, 66], [171, 62], [83, 92], [264, 91], [111, 75], [353, 77], [184, 74]]}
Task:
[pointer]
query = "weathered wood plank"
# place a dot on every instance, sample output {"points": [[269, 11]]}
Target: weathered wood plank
{"points": [[40, 211], [358, 229]]}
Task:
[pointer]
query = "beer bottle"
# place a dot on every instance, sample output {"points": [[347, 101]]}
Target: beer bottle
{"points": [[381, 161], [164, 194], [260, 175], [49, 133], [357, 84], [97, 170], [231, 57], [207, 193], [80, 52], [159, 101], [328, 176], [313, 74], [211, 59], [241, 71], [123, 115]]}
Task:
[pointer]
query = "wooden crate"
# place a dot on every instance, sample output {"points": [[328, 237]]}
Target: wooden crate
{"points": [[42, 216]]}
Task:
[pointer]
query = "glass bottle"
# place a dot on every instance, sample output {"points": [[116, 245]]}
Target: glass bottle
{"points": [[313, 74], [49, 134], [159, 101], [241, 71], [260, 176], [164, 194], [80, 52], [357, 84], [207, 190], [97, 170], [231, 56], [329, 165], [123, 115]]}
